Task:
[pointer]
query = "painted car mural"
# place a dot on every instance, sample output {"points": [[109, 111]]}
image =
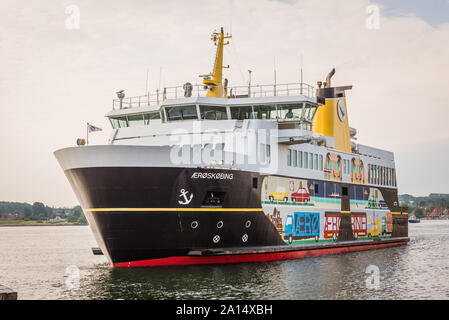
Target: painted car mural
{"points": [[379, 224], [302, 225], [285, 190], [301, 195], [279, 195], [303, 209], [359, 225], [332, 225]]}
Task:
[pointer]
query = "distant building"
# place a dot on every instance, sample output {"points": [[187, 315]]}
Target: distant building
{"points": [[58, 218], [11, 216], [60, 215], [435, 213]]}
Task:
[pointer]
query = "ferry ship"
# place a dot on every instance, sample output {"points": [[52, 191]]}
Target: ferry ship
{"points": [[210, 173]]}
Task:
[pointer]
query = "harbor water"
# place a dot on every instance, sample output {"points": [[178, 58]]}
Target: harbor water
{"points": [[56, 262]]}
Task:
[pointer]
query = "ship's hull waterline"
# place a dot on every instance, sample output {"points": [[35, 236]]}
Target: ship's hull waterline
{"points": [[156, 216]]}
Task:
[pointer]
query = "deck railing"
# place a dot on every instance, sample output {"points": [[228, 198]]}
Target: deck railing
{"points": [[286, 89]]}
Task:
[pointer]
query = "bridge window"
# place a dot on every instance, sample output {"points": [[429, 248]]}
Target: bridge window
{"points": [[241, 113], [290, 111], [213, 113], [309, 112], [120, 122], [152, 118], [181, 113], [266, 111], [135, 120]]}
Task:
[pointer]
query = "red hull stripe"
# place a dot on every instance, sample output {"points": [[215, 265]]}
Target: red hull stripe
{"points": [[258, 257]]}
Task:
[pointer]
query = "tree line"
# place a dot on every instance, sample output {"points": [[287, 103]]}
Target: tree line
{"points": [[419, 204], [40, 211]]}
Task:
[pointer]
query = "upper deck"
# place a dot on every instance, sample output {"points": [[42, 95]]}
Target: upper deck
{"points": [[282, 103], [177, 93]]}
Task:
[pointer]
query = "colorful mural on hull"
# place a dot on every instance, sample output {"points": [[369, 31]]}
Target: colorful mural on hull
{"points": [[310, 211]]}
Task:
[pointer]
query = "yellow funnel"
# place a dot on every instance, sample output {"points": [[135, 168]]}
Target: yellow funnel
{"points": [[332, 119]]}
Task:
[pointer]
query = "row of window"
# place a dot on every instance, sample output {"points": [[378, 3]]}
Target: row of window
{"points": [[381, 175], [376, 174], [217, 146], [275, 111], [136, 120], [306, 160], [330, 189], [189, 112]]}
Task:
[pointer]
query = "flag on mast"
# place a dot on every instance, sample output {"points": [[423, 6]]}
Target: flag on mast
{"points": [[91, 128]]}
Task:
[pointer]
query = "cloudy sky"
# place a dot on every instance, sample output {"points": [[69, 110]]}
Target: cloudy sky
{"points": [[54, 78]]}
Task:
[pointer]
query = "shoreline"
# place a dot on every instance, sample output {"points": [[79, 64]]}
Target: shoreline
{"points": [[23, 223]]}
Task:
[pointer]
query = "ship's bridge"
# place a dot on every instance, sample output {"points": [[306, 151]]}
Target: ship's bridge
{"points": [[285, 105], [288, 107]]}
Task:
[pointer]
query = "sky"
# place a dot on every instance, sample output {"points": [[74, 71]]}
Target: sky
{"points": [[56, 75]]}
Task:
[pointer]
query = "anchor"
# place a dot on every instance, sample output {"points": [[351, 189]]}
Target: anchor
{"points": [[184, 194]]}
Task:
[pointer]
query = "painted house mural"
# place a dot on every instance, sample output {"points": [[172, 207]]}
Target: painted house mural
{"points": [[332, 167], [358, 173]]}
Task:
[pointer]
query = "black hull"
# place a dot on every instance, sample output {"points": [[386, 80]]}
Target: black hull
{"points": [[141, 213], [156, 224]]}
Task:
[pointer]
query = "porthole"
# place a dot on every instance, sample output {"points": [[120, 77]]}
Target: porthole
{"points": [[248, 224], [216, 238], [245, 238], [194, 224], [220, 224]]}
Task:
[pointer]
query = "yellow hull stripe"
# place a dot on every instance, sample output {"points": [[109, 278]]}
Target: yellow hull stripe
{"points": [[172, 209]]}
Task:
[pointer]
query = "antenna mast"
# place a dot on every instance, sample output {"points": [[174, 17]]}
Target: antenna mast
{"points": [[275, 75], [146, 84], [301, 77], [214, 80]]}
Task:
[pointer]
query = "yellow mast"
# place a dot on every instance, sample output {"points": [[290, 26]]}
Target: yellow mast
{"points": [[214, 81]]}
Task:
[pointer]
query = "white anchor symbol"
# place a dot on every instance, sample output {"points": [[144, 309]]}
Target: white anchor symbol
{"points": [[184, 194]]}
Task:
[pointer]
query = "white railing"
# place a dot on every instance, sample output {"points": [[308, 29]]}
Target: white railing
{"points": [[270, 90]]}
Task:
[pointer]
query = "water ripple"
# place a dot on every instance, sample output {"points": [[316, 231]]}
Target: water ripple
{"points": [[33, 261]]}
